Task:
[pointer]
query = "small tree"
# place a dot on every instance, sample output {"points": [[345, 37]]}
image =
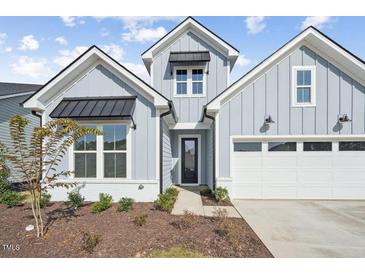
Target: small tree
{"points": [[36, 161]]}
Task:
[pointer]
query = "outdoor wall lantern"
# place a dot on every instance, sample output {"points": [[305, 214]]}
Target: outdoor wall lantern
{"points": [[269, 120], [344, 119]]}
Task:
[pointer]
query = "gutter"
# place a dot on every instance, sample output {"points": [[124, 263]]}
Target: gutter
{"points": [[172, 112], [205, 115]]}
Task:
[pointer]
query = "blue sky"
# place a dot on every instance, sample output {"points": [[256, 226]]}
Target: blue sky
{"points": [[33, 49]]}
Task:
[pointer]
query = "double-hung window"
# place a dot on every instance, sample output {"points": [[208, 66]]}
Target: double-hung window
{"points": [[85, 156], [304, 86], [102, 156], [189, 82], [115, 151]]}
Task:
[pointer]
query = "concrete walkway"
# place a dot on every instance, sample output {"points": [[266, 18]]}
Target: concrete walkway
{"points": [[189, 199]]}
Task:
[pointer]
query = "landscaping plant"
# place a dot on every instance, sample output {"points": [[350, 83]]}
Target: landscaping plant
{"points": [[36, 159], [90, 241], [140, 220], [166, 200], [11, 198], [125, 204], [75, 200], [221, 194], [185, 221], [45, 199], [105, 202]]}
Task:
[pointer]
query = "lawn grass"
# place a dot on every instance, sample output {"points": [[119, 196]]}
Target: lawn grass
{"points": [[175, 252]]}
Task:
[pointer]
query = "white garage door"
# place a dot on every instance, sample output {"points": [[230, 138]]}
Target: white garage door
{"points": [[298, 170]]}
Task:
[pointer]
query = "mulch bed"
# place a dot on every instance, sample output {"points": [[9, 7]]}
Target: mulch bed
{"points": [[120, 237], [209, 200]]}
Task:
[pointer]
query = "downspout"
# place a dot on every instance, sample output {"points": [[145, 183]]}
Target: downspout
{"points": [[170, 111], [213, 119]]}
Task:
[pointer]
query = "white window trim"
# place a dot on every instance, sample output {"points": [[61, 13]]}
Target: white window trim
{"points": [[189, 82], [181, 136], [312, 86], [100, 153]]}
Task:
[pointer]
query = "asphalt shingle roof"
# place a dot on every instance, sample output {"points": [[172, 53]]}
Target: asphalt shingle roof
{"points": [[14, 88]]}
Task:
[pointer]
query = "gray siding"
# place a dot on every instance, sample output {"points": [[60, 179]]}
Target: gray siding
{"points": [[102, 82], [209, 157], [166, 157], [8, 108], [270, 94], [189, 109]]}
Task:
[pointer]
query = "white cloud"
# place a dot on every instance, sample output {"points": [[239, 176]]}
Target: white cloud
{"points": [[143, 34], [66, 56], [71, 21], [138, 69], [8, 49], [28, 42], [61, 40], [114, 51], [34, 68], [3, 36], [255, 24], [242, 61], [316, 21]]}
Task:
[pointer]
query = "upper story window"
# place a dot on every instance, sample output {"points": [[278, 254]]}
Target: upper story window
{"points": [[189, 82], [304, 86]]}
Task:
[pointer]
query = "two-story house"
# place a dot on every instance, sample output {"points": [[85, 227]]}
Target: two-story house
{"points": [[292, 127]]}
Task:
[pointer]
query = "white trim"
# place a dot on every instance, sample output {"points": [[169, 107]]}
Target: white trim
{"points": [[228, 73], [189, 81], [294, 86], [180, 136], [297, 137], [217, 145], [309, 37], [192, 25], [158, 150], [16, 95], [92, 57], [100, 152], [197, 125]]}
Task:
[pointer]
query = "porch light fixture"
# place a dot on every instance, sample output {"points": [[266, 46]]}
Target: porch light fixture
{"points": [[269, 120], [344, 119]]}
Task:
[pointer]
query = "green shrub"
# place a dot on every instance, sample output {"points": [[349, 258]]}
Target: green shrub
{"points": [[4, 186], [125, 204], [140, 220], [11, 198], [44, 200], [75, 199], [166, 200], [221, 194], [105, 202], [90, 241]]}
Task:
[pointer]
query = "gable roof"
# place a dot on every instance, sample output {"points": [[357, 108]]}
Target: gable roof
{"points": [[17, 89], [311, 36], [90, 56], [190, 23]]}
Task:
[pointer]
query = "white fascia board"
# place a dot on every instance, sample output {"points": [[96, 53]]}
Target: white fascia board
{"points": [[197, 125], [305, 38], [189, 24], [90, 58]]}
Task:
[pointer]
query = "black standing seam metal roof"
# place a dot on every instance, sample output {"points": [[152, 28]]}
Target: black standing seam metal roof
{"points": [[189, 56], [95, 107]]}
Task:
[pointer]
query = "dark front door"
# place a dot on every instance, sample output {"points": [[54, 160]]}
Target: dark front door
{"points": [[189, 159]]}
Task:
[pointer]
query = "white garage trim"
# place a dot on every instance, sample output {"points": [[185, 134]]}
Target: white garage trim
{"points": [[237, 138]]}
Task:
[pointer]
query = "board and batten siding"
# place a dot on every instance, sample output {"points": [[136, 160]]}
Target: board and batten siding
{"points": [[270, 94], [102, 82], [189, 109], [166, 157], [8, 108]]}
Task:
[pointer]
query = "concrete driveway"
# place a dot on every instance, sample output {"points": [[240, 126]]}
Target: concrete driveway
{"points": [[307, 228]]}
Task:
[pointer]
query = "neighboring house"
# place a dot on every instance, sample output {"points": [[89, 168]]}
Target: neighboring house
{"points": [[11, 97], [293, 127]]}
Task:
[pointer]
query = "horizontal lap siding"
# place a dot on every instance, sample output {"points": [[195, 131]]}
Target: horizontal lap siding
{"points": [[166, 157], [189, 109], [270, 94], [102, 82], [8, 108]]}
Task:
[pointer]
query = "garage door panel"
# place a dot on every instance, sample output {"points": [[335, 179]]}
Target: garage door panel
{"points": [[281, 160], [299, 174], [315, 160]]}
